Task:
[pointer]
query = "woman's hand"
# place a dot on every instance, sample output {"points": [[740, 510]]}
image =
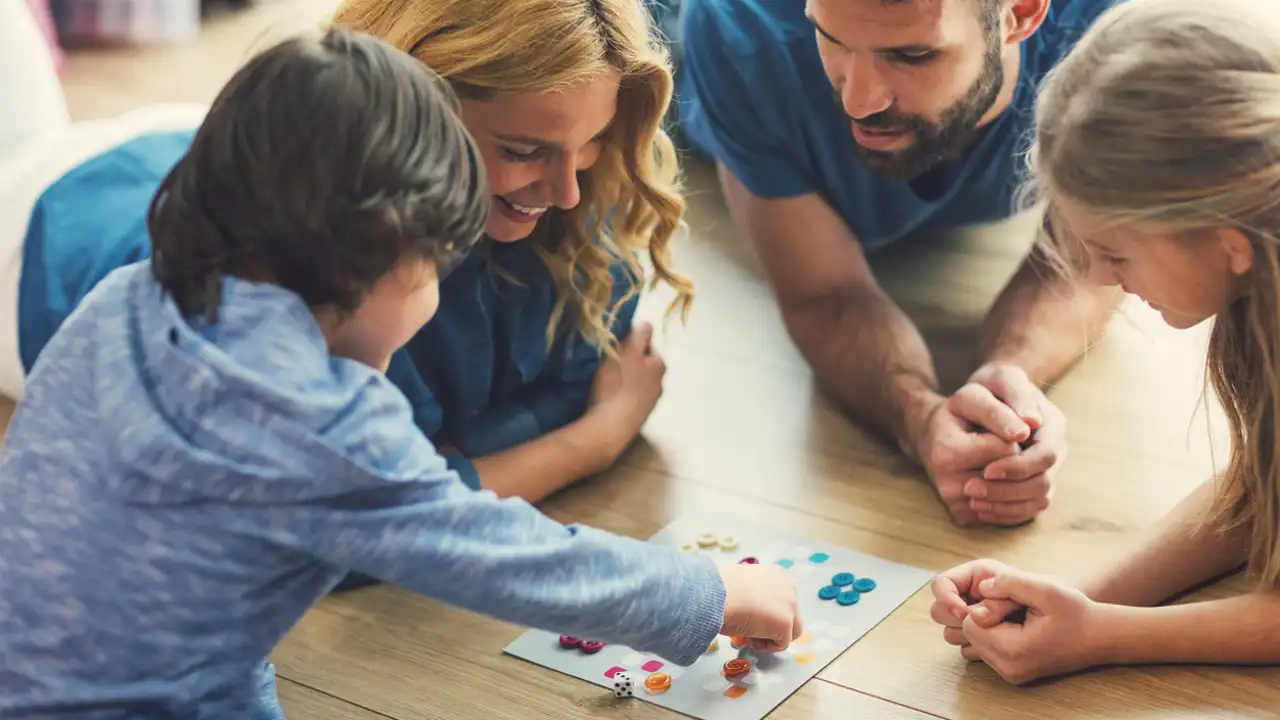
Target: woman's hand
{"points": [[1062, 632], [627, 388]]}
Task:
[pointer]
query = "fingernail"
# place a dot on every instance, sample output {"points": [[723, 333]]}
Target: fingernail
{"points": [[980, 505], [979, 611], [987, 585], [975, 488], [994, 475]]}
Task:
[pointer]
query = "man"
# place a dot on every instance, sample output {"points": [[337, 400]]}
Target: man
{"points": [[842, 126]]}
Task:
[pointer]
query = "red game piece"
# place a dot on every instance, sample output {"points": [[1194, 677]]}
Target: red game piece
{"points": [[591, 647], [748, 561], [569, 642]]}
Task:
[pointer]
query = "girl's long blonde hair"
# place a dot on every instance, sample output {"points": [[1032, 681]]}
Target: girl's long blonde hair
{"points": [[631, 200], [1167, 113]]}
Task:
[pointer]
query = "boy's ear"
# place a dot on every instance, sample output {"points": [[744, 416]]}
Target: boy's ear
{"points": [[1021, 18]]}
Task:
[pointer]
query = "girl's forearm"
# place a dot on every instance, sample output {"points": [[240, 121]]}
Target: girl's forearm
{"points": [[1176, 554], [1243, 630]]}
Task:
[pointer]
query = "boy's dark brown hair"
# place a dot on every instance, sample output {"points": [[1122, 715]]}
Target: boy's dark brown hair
{"points": [[323, 163]]}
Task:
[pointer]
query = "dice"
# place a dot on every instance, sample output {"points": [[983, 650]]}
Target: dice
{"points": [[623, 685]]}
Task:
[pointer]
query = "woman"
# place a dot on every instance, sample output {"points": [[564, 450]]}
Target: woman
{"points": [[508, 379]]}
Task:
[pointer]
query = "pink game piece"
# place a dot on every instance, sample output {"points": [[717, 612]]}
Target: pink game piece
{"points": [[748, 561], [591, 647], [613, 671], [651, 666], [569, 642]]}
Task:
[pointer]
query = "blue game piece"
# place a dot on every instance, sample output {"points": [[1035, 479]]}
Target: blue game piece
{"points": [[842, 579], [864, 585], [819, 558], [829, 592], [785, 563], [849, 597]]}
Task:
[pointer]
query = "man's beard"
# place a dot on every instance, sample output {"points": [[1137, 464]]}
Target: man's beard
{"points": [[935, 142]]}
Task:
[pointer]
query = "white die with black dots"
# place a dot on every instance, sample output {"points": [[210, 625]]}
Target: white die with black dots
{"points": [[623, 685]]}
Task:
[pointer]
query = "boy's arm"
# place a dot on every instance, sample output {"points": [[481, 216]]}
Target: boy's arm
{"points": [[399, 514]]}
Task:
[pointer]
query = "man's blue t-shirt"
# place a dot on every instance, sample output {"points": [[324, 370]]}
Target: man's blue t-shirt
{"points": [[754, 96]]}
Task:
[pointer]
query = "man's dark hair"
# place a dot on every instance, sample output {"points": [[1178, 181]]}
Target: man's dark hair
{"points": [[321, 165]]}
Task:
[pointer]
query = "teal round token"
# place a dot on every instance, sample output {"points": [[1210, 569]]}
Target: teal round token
{"points": [[849, 597], [829, 592], [842, 579], [864, 585]]}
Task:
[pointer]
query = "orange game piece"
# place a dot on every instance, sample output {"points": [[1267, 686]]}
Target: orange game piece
{"points": [[657, 683], [739, 641], [736, 668], [735, 692]]}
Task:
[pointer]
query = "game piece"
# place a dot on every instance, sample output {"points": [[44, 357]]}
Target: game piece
{"points": [[736, 668], [828, 592], [568, 642], [739, 641], [848, 597], [701, 690], [623, 685], [728, 543], [842, 579], [864, 585], [657, 683], [689, 549], [707, 540], [591, 647], [748, 561]]}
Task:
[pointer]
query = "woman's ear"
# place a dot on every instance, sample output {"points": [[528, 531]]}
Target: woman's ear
{"points": [[1239, 250]]}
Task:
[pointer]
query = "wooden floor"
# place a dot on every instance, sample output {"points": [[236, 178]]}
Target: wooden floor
{"points": [[740, 430]]}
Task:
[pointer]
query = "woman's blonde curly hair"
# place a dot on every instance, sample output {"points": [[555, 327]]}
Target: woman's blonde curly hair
{"points": [[631, 199]]}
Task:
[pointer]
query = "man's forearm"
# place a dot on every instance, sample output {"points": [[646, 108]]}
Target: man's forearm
{"points": [[1043, 322], [867, 353]]}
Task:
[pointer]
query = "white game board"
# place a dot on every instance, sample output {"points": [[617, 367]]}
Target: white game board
{"points": [[701, 690]]}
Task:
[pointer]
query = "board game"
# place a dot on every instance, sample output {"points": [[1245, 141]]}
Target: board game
{"points": [[843, 594]]}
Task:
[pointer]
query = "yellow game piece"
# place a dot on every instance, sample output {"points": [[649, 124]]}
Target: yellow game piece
{"points": [[714, 646], [689, 549], [707, 540], [728, 543]]}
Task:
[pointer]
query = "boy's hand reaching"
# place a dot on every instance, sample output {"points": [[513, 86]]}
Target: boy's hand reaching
{"points": [[760, 604]]}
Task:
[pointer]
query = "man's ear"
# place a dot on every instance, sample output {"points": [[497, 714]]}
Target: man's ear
{"points": [[1021, 18]]}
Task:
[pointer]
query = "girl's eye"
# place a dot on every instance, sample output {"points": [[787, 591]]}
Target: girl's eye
{"points": [[1111, 260], [517, 156]]}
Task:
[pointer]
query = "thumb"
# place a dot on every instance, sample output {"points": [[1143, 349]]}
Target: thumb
{"points": [[991, 612], [640, 338], [1020, 587]]}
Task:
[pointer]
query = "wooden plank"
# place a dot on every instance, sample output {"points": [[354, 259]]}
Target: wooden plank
{"points": [[300, 701]]}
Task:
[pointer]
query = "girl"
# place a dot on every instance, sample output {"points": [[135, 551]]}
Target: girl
{"points": [[1158, 154], [508, 378], [209, 442]]}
